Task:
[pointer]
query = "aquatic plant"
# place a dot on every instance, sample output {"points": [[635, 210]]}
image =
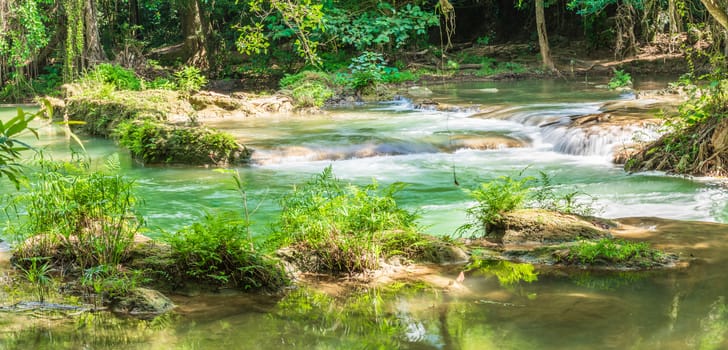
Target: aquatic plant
{"points": [[39, 276], [74, 216], [218, 251], [346, 228]]}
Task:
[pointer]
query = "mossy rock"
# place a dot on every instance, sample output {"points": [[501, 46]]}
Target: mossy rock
{"points": [[102, 112], [538, 226], [155, 143], [143, 303]]}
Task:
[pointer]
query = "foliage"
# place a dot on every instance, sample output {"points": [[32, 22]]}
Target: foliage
{"points": [[620, 79], [611, 251], [346, 228], [545, 197], [72, 215], [105, 282], [509, 193], [490, 66], [189, 79], [11, 147], [296, 18], [366, 70], [154, 142], [384, 27], [118, 77], [308, 88], [311, 94], [39, 276], [493, 199], [217, 251], [161, 84]]}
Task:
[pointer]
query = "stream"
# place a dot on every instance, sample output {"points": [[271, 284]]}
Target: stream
{"points": [[500, 306]]}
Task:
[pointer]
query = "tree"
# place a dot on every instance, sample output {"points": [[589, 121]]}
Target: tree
{"points": [[194, 30], [717, 11], [543, 40]]}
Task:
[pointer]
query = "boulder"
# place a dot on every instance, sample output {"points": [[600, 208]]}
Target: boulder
{"points": [[143, 303], [539, 226]]}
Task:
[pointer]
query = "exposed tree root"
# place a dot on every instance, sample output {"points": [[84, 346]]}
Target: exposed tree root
{"points": [[700, 150]]}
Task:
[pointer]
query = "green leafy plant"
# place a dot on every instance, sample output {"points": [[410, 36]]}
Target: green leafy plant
{"points": [[346, 228], [493, 199], [219, 251], [39, 276], [574, 202], [366, 70], [189, 79], [74, 216], [118, 77], [620, 79], [11, 147]]}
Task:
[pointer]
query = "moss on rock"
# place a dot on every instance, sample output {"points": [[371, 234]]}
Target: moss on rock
{"points": [[545, 226], [154, 142]]}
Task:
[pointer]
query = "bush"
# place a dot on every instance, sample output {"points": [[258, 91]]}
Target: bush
{"points": [[509, 193], [493, 199], [75, 216], [189, 79], [346, 228], [311, 94], [308, 88], [117, 76], [366, 71], [153, 142], [217, 251], [620, 79]]}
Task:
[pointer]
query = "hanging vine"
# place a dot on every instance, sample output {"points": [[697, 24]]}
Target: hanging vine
{"points": [[447, 11], [73, 58]]}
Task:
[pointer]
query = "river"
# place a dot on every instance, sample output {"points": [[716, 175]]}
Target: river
{"points": [[428, 150]]}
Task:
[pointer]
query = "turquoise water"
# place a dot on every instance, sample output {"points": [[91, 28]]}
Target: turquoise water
{"points": [[679, 309]]}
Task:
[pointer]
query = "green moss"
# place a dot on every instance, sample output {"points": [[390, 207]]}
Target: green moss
{"points": [[613, 251], [101, 111], [154, 142]]}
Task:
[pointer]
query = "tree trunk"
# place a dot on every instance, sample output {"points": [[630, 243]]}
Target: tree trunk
{"points": [[94, 52], [717, 11], [195, 35], [543, 40]]}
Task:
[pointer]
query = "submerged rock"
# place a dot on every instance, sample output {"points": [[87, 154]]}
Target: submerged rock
{"points": [[142, 302]]}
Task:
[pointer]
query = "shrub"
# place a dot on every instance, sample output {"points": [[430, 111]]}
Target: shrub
{"points": [[161, 84], [217, 251], [509, 193], [366, 71], [311, 94], [75, 216], [346, 228], [153, 142], [620, 79], [120, 78], [189, 79], [493, 199]]}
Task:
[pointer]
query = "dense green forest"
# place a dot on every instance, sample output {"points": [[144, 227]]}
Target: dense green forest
{"points": [[44, 43]]}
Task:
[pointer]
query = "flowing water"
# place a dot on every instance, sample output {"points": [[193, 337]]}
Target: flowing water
{"points": [[502, 306]]}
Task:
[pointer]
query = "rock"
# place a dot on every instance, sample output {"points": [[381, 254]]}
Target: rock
{"points": [[484, 142], [419, 91], [538, 226], [142, 302]]}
